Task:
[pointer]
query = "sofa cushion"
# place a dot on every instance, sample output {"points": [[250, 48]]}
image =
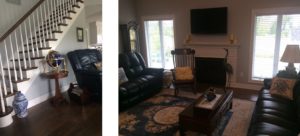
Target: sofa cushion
{"points": [[133, 67], [184, 73], [264, 129], [122, 76], [128, 89], [282, 87]]}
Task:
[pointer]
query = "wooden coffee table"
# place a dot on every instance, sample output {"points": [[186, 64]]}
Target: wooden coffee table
{"points": [[205, 120]]}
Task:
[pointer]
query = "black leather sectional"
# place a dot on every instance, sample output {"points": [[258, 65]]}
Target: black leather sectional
{"points": [[143, 82], [276, 116]]}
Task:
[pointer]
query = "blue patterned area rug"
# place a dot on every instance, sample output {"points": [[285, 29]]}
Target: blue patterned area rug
{"points": [[158, 116]]}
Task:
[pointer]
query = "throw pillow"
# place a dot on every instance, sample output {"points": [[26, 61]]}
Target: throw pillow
{"points": [[98, 65], [122, 76], [283, 87], [184, 73]]}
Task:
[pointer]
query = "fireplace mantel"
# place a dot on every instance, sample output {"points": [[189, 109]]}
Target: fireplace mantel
{"points": [[216, 50], [212, 44]]}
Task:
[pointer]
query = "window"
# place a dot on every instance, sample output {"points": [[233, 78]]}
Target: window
{"points": [[160, 42], [272, 32]]}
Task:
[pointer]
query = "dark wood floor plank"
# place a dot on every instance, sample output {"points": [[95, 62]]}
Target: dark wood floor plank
{"points": [[70, 119]]}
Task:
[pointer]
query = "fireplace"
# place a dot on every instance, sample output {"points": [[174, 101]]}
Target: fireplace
{"points": [[210, 71]]}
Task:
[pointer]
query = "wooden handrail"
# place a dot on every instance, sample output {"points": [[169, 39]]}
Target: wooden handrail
{"points": [[21, 20]]}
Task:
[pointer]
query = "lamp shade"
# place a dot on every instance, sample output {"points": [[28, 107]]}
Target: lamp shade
{"points": [[291, 54]]}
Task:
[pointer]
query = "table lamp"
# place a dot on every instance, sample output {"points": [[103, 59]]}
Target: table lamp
{"points": [[291, 55]]}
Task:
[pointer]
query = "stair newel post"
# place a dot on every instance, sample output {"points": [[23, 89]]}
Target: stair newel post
{"points": [[43, 31], [27, 46], [22, 45], [2, 74], [8, 67], [45, 18], [30, 32], [35, 29], [13, 58], [18, 55]]}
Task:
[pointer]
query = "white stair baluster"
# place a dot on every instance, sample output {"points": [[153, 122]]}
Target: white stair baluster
{"points": [[22, 45], [30, 31], [61, 11], [48, 15], [36, 28], [45, 19], [13, 58], [8, 67], [3, 77], [27, 47], [2, 99], [18, 55], [54, 15], [43, 31]]}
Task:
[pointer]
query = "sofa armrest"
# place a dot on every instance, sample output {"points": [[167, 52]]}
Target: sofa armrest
{"points": [[153, 71], [267, 83]]}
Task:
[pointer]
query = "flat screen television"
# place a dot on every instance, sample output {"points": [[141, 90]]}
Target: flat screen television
{"points": [[212, 21]]}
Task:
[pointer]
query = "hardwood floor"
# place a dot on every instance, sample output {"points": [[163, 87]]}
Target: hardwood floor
{"points": [[64, 120]]}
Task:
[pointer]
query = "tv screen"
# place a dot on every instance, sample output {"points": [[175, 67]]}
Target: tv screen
{"points": [[209, 21]]}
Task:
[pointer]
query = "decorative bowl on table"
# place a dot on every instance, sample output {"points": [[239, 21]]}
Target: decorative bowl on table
{"points": [[210, 94]]}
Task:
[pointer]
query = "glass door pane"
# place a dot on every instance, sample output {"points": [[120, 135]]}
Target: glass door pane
{"points": [[290, 34], [264, 46], [153, 44], [168, 43]]}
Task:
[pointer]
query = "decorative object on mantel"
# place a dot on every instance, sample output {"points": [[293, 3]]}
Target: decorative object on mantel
{"points": [[228, 67], [20, 104], [291, 55], [188, 38]]}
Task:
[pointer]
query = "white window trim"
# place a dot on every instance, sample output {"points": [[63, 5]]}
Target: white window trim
{"points": [[257, 12], [157, 17]]}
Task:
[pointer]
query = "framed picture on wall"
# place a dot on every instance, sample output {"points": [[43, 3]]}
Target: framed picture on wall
{"points": [[79, 32]]}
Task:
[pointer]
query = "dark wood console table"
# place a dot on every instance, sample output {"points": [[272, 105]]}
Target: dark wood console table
{"points": [[56, 75], [204, 120]]}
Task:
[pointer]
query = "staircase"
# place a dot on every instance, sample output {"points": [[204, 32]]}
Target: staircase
{"points": [[25, 45]]}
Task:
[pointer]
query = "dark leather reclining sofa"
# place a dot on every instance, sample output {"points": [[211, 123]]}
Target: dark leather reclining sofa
{"points": [[87, 75], [276, 116], [142, 82]]}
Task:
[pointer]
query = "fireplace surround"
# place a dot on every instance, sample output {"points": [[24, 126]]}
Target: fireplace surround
{"points": [[210, 71]]}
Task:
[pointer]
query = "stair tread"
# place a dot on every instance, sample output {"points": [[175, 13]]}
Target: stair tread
{"points": [[9, 93], [81, 1], [23, 68], [32, 58], [19, 80], [40, 48], [8, 110]]}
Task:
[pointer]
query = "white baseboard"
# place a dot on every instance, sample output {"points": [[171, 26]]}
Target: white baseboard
{"points": [[246, 86], [44, 97]]}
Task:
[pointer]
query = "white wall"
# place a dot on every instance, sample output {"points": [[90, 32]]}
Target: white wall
{"points": [[42, 87], [10, 13], [127, 12], [239, 22]]}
